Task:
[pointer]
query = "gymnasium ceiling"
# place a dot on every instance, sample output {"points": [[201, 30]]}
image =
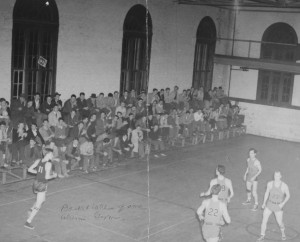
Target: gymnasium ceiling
{"points": [[244, 4]]}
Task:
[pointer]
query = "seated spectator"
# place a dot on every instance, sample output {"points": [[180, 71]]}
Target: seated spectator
{"points": [[5, 117], [69, 105], [104, 149], [46, 132], [37, 105], [199, 121], [110, 104], [47, 106], [214, 115], [73, 154], [54, 116], [77, 132], [153, 109], [116, 101], [126, 99], [18, 143], [30, 116], [161, 95], [156, 140], [91, 103], [121, 109], [160, 107], [101, 124], [153, 96], [82, 105], [133, 97], [174, 97], [5, 112], [87, 153], [5, 140], [164, 126], [31, 152], [56, 100], [72, 120], [34, 134], [126, 145], [130, 122], [141, 109], [186, 123], [183, 100], [101, 103], [168, 100], [60, 133]]}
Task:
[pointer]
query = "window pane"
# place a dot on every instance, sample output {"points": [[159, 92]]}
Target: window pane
{"points": [[287, 86], [275, 87]]}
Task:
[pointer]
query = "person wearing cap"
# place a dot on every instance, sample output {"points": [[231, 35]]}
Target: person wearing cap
{"points": [[211, 212], [91, 103], [82, 105], [42, 168], [56, 100], [18, 108]]}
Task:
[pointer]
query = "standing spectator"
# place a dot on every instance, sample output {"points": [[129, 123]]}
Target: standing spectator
{"points": [[4, 142], [87, 153], [29, 113], [91, 130], [110, 104], [60, 132], [37, 105], [126, 99], [18, 143], [73, 154], [125, 144], [174, 97], [156, 140]]}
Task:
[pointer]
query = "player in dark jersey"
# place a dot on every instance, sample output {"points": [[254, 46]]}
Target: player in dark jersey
{"points": [[276, 196], [215, 211], [250, 177], [42, 169]]}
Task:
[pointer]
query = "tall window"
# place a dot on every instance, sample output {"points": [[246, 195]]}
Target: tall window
{"points": [[278, 44], [136, 48], [204, 52], [34, 47]]}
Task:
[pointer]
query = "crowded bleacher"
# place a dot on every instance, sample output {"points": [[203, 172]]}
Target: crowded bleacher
{"points": [[97, 131]]}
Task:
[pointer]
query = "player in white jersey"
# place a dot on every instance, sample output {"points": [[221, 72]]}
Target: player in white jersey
{"points": [[276, 196], [226, 192]]}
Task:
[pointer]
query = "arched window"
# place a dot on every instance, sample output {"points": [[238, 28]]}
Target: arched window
{"points": [[136, 48], [34, 47], [278, 44], [204, 52]]}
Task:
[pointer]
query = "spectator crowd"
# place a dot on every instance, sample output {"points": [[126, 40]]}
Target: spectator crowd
{"points": [[96, 131]]}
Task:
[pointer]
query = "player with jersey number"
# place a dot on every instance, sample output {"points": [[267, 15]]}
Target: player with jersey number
{"points": [[226, 192], [42, 169], [276, 196], [211, 212], [250, 177]]}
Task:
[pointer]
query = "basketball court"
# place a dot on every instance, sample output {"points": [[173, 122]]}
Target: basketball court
{"points": [[137, 202]]}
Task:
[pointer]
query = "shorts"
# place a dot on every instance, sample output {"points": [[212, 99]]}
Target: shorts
{"points": [[39, 186], [210, 231], [273, 207]]}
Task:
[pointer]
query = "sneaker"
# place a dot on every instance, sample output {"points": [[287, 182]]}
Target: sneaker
{"points": [[283, 237], [156, 156], [247, 202], [28, 226], [162, 154], [255, 207], [261, 238], [60, 176]]}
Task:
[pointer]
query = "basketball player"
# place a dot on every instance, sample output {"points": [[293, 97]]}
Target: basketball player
{"points": [[215, 211], [276, 196], [226, 192], [42, 169], [250, 177]]}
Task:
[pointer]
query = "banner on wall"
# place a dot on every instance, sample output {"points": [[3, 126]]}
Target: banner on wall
{"points": [[42, 61]]}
